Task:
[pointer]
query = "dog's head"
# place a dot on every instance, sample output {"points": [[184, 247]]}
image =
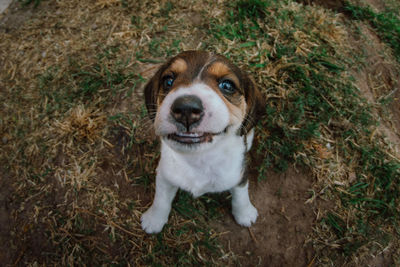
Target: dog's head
{"points": [[197, 98]]}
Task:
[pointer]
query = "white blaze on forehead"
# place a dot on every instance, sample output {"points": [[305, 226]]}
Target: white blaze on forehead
{"points": [[216, 113]]}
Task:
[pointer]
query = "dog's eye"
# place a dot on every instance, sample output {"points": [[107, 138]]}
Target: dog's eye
{"points": [[168, 82], [227, 87]]}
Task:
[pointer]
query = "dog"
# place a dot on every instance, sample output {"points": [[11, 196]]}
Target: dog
{"points": [[204, 109]]}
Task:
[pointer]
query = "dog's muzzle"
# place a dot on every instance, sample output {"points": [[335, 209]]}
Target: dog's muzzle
{"points": [[187, 112]]}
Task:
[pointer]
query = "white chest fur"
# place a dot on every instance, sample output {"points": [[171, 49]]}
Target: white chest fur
{"points": [[218, 169], [215, 170]]}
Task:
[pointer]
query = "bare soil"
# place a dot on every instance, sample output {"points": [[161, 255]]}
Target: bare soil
{"points": [[278, 238], [14, 15], [379, 79], [5, 220]]}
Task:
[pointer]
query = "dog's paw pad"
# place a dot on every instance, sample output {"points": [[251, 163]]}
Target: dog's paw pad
{"points": [[245, 216], [152, 223]]}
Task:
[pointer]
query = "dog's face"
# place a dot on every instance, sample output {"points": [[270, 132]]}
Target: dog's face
{"points": [[197, 98]]}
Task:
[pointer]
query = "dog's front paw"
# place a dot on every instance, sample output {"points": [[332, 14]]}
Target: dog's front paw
{"points": [[153, 221], [245, 216]]}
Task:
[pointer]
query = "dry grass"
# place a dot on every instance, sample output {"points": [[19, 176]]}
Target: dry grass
{"points": [[77, 149], [78, 156]]}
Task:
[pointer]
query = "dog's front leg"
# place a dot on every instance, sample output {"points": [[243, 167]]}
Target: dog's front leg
{"points": [[156, 216], [244, 212]]}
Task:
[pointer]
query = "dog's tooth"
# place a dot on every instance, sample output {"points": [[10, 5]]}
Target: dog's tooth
{"points": [[181, 134], [192, 135]]}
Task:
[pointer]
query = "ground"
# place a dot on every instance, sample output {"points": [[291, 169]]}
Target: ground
{"points": [[285, 220], [78, 153]]}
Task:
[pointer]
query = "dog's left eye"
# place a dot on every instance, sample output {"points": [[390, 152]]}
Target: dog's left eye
{"points": [[227, 86], [168, 82]]}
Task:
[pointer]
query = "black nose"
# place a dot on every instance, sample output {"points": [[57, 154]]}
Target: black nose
{"points": [[187, 110]]}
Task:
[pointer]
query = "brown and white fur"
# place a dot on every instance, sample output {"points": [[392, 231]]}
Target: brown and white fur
{"points": [[204, 109]]}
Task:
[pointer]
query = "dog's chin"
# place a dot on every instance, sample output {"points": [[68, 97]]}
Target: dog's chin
{"points": [[192, 141]]}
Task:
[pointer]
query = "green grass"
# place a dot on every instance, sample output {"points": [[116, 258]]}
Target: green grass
{"points": [[319, 92], [87, 83], [386, 24]]}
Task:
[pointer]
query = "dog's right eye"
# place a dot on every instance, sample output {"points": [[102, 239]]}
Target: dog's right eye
{"points": [[168, 82]]}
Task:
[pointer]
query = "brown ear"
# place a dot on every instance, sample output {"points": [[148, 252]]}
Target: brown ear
{"points": [[255, 106], [151, 92]]}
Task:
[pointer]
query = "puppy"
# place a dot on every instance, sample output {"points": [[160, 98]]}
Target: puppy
{"points": [[204, 109]]}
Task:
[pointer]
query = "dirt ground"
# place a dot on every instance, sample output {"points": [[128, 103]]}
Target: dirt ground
{"points": [[278, 238], [286, 218]]}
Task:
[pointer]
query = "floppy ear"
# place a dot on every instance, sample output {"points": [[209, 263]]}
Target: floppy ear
{"points": [[255, 106], [151, 92]]}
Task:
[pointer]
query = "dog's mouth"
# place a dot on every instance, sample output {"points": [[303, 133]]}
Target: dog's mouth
{"points": [[191, 138]]}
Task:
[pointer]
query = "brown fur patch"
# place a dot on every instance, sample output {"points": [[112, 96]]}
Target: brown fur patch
{"points": [[218, 70], [178, 66], [221, 70]]}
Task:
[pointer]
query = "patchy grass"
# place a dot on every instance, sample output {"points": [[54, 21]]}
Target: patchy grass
{"points": [[386, 24], [317, 117], [80, 159]]}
